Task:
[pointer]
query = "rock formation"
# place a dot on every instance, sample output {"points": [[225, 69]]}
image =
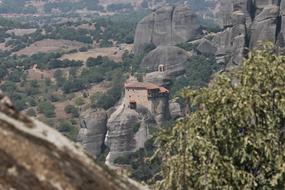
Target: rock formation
{"points": [[93, 130], [206, 47], [122, 137], [143, 105], [34, 156], [175, 110], [172, 57], [168, 25], [245, 23]]}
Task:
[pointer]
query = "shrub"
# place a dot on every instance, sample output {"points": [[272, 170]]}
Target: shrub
{"points": [[31, 112], [47, 109], [70, 109]]}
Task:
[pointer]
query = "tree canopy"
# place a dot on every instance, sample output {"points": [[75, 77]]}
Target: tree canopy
{"points": [[234, 138]]}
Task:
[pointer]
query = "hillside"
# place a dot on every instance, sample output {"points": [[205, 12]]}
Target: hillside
{"points": [[99, 6]]}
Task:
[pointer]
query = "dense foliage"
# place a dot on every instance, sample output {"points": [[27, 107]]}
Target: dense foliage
{"points": [[198, 72], [235, 137]]}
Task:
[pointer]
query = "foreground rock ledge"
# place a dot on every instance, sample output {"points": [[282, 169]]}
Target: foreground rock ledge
{"points": [[34, 156]]}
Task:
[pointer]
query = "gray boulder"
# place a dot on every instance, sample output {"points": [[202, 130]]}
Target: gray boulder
{"points": [[93, 130], [159, 78], [206, 47], [168, 25], [172, 57], [175, 110]]}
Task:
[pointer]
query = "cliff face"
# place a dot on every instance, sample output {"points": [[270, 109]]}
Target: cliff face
{"points": [[34, 156], [168, 25], [172, 57], [93, 130], [246, 22], [127, 131], [165, 28]]}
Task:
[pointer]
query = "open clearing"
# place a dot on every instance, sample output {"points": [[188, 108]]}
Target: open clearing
{"points": [[50, 45], [21, 32], [3, 47], [114, 53], [37, 74]]}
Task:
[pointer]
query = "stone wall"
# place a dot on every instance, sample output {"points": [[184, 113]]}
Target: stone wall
{"points": [[138, 95]]}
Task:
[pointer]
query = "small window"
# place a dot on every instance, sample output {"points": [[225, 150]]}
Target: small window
{"points": [[161, 68], [133, 105]]}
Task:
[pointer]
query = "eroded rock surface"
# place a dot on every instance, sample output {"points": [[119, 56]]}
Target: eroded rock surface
{"points": [[168, 25], [35, 156], [93, 125], [127, 131], [246, 22], [171, 57]]}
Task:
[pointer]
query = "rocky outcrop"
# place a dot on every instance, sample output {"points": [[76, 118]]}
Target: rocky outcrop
{"points": [[175, 110], [91, 136], [128, 126], [35, 156], [206, 47], [246, 22], [127, 131], [168, 25], [159, 78], [264, 26], [171, 57]]}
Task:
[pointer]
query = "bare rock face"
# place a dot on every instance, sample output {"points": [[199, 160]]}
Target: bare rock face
{"points": [[127, 131], [34, 156], [281, 36], [264, 26], [91, 136], [230, 45], [175, 110], [246, 22], [172, 57], [168, 25], [159, 78], [206, 47]]}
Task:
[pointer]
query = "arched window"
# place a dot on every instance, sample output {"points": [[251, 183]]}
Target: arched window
{"points": [[161, 68]]}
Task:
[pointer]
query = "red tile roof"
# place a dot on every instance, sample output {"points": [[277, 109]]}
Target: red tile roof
{"points": [[163, 90], [141, 85], [145, 85]]}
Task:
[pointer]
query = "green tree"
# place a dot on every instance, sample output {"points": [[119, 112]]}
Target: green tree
{"points": [[47, 109], [70, 109], [235, 137]]}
